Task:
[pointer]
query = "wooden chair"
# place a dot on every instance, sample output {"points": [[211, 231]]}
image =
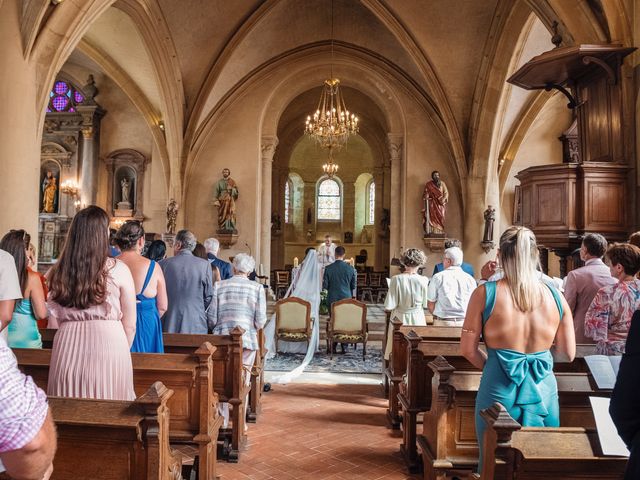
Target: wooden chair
{"points": [[283, 278], [382, 289], [375, 284], [293, 320], [348, 324]]}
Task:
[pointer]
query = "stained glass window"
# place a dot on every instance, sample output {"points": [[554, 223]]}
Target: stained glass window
{"points": [[64, 97], [287, 201], [372, 202], [329, 200]]}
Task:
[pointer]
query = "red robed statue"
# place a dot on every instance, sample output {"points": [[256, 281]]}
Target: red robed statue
{"points": [[435, 198]]}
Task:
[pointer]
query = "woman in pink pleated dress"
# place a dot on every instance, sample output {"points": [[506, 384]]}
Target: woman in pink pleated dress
{"points": [[92, 302]]}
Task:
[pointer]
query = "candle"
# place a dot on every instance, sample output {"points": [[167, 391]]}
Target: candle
{"points": [[353, 264], [261, 271], [295, 261]]}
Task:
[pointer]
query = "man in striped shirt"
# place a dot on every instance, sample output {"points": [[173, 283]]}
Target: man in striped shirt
{"points": [[239, 302]]}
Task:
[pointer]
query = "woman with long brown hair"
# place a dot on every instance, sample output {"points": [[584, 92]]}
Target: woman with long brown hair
{"points": [[23, 329], [92, 302]]}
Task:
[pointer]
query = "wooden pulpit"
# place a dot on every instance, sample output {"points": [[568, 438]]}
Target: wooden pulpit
{"points": [[592, 191]]}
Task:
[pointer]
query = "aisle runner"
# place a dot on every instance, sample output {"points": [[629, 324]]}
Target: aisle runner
{"points": [[349, 362]]}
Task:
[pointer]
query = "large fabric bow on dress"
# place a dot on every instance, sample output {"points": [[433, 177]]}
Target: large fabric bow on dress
{"points": [[527, 370]]}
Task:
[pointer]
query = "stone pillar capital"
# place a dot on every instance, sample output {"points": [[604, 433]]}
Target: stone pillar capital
{"points": [[394, 144], [268, 146]]}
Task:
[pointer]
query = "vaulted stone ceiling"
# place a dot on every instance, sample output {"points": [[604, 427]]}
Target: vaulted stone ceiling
{"points": [[217, 44]]}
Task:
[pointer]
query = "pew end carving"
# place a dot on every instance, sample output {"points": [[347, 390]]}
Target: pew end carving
{"points": [[525, 453]]}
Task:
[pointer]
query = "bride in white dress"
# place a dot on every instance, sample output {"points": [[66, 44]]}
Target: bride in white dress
{"points": [[305, 285]]}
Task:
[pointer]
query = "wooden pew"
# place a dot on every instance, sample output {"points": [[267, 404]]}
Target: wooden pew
{"points": [[385, 363], [108, 440], [397, 364], [194, 405], [448, 443], [174, 344], [257, 381], [227, 377], [414, 394], [514, 452]]}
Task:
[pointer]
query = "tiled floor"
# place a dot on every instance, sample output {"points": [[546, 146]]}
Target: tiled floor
{"points": [[310, 431]]}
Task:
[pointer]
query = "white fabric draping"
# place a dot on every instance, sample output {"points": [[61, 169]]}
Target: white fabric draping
{"points": [[306, 285]]}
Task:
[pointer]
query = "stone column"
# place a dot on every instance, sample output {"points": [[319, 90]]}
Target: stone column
{"points": [[19, 139], [90, 151], [397, 194], [378, 239], [268, 149]]}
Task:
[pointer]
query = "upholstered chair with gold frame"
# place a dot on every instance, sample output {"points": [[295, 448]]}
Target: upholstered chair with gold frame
{"points": [[348, 324], [293, 320]]}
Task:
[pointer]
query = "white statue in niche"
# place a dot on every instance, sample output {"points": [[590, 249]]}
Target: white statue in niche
{"points": [[125, 184]]}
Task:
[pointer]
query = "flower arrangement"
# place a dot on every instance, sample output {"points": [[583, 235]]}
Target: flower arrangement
{"points": [[324, 307]]}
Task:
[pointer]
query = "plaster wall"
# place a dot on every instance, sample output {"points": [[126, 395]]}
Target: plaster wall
{"points": [[235, 144], [19, 147], [539, 147]]}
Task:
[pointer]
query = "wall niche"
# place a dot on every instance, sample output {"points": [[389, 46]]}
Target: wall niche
{"points": [[126, 169]]}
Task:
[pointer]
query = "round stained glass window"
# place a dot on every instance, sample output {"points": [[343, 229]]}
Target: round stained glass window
{"points": [[61, 88], [78, 97], [60, 103]]}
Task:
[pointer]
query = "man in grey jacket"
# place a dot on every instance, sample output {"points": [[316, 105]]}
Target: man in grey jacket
{"points": [[189, 287]]}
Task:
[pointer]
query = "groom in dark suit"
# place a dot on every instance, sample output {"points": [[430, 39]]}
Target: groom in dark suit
{"points": [[339, 279]]}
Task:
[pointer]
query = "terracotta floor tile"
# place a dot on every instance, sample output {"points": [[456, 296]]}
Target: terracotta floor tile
{"points": [[320, 432]]}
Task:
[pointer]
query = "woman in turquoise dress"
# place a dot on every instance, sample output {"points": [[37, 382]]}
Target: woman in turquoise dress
{"points": [[151, 301], [519, 317], [23, 332]]}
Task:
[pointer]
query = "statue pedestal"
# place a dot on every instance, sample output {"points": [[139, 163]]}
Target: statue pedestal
{"points": [[434, 242], [169, 239], [123, 212], [227, 239]]}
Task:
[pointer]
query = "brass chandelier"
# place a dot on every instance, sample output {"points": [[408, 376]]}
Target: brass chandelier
{"points": [[331, 124]]}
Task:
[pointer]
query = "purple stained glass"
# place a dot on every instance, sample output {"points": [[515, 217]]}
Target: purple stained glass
{"points": [[48, 110], [72, 110], [60, 103], [60, 88], [78, 97]]}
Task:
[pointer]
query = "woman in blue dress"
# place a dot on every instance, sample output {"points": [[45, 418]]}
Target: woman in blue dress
{"points": [[23, 330], [151, 299], [519, 317]]}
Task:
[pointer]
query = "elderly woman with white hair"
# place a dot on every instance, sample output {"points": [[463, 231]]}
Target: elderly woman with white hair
{"points": [[407, 295], [239, 302]]}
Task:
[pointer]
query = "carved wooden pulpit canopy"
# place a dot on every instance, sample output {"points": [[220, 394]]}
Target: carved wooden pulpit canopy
{"points": [[562, 202]]}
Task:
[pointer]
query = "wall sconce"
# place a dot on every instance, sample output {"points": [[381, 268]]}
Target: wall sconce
{"points": [[70, 187]]}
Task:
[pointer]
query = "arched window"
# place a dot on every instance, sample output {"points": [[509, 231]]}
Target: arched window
{"points": [[288, 201], [371, 211], [64, 97], [329, 200]]}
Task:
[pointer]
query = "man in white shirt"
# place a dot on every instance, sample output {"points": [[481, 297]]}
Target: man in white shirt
{"points": [[449, 291], [9, 289]]}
